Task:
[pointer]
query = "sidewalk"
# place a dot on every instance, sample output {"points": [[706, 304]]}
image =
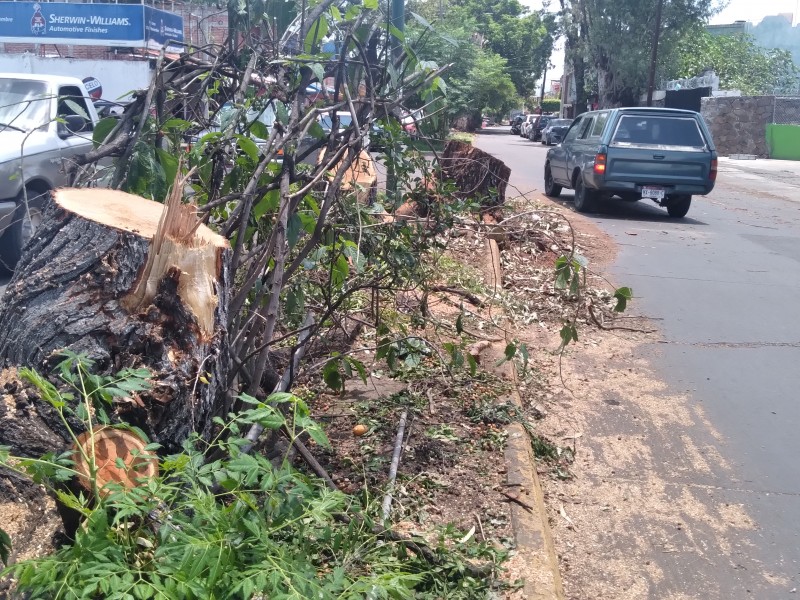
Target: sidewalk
{"points": [[762, 166]]}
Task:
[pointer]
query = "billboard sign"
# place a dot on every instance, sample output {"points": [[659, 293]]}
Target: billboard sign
{"points": [[162, 27], [86, 24]]}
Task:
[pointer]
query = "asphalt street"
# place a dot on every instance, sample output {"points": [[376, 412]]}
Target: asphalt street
{"points": [[723, 284]]}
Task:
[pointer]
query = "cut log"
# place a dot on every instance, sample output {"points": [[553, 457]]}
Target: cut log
{"points": [[129, 283]]}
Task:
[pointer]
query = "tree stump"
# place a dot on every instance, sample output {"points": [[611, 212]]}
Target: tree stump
{"points": [[476, 173], [129, 283]]}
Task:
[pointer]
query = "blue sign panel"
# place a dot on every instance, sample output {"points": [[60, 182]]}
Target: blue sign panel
{"points": [[85, 24], [162, 27]]}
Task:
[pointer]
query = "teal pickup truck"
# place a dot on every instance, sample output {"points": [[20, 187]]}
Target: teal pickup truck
{"points": [[663, 154]]}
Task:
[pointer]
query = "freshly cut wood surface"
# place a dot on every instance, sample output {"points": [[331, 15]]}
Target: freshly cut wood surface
{"points": [[111, 444], [124, 211]]}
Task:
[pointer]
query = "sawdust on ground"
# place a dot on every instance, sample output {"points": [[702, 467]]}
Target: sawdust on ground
{"points": [[630, 521]]}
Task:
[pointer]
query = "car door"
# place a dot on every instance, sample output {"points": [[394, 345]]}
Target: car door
{"points": [[583, 150], [559, 155], [71, 101]]}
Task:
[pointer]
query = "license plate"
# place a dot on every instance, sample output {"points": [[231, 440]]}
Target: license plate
{"points": [[656, 193]]}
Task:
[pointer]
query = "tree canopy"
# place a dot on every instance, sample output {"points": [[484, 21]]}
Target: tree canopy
{"points": [[739, 62], [491, 43]]}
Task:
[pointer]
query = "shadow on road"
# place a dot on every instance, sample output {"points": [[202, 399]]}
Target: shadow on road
{"points": [[619, 210]]}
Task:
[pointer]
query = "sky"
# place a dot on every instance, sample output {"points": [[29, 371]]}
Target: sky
{"points": [[736, 10]]}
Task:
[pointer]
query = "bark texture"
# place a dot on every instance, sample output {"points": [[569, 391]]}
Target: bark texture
{"points": [[73, 290]]}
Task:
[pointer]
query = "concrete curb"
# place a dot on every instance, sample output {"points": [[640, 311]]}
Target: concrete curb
{"points": [[536, 560]]}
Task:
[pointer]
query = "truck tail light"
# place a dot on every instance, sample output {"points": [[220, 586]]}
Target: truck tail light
{"points": [[712, 174], [600, 163]]}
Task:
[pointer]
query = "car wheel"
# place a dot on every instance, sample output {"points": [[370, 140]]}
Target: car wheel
{"points": [[585, 199], [678, 206], [551, 188], [21, 229]]}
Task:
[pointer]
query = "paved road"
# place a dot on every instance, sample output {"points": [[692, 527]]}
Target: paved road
{"points": [[726, 281]]}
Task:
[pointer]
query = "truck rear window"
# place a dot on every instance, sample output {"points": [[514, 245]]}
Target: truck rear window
{"points": [[646, 130]]}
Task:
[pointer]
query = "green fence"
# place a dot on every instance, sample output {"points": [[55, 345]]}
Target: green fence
{"points": [[783, 141]]}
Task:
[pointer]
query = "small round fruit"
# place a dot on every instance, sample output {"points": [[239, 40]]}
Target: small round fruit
{"points": [[360, 430]]}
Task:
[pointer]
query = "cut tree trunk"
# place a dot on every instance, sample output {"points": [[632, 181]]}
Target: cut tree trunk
{"points": [[128, 283], [477, 174]]}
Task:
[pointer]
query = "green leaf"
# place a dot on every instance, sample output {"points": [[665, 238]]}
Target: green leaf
{"points": [[568, 333], [178, 125], [269, 203], [169, 162], [5, 546], [420, 19], [623, 295], [317, 31], [293, 227], [396, 33], [248, 146], [331, 375], [282, 112], [102, 129], [460, 324], [510, 351], [359, 367], [473, 364], [76, 108], [319, 72], [371, 4], [259, 130], [316, 131]]}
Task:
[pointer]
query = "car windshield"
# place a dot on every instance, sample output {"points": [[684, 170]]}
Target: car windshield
{"points": [[24, 104], [560, 123], [649, 130]]}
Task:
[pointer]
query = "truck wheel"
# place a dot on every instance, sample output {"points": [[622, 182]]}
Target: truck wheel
{"points": [[21, 229], [585, 199], [678, 206], [551, 188]]}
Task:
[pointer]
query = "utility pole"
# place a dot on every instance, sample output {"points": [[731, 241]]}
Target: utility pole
{"points": [[397, 18], [654, 55]]}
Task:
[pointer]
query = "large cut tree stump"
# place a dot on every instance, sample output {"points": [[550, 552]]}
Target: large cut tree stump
{"points": [[477, 174], [129, 283]]}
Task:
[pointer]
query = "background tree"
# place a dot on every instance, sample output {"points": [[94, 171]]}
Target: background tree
{"points": [[614, 40], [738, 61], [523, 39]]}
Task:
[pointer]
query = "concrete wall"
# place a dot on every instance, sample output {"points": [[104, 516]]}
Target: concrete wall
{"points": [[118, 78], [739, 125]]}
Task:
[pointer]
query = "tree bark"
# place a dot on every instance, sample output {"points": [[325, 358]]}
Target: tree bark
{"points": [[129, 283]]}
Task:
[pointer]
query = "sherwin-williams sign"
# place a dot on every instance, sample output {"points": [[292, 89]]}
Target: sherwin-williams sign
{"points": [[130, 25]]}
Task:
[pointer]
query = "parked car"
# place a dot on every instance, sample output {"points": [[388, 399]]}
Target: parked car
{"points": [[527, 123], [535, 131], [345, 120], [663, 154], [516, 124], [555, 130], [43, 124], [109, 108]]}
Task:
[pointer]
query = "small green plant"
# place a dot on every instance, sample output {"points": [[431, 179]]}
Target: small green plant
{"points": [[234, 527], [5, 546]]}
